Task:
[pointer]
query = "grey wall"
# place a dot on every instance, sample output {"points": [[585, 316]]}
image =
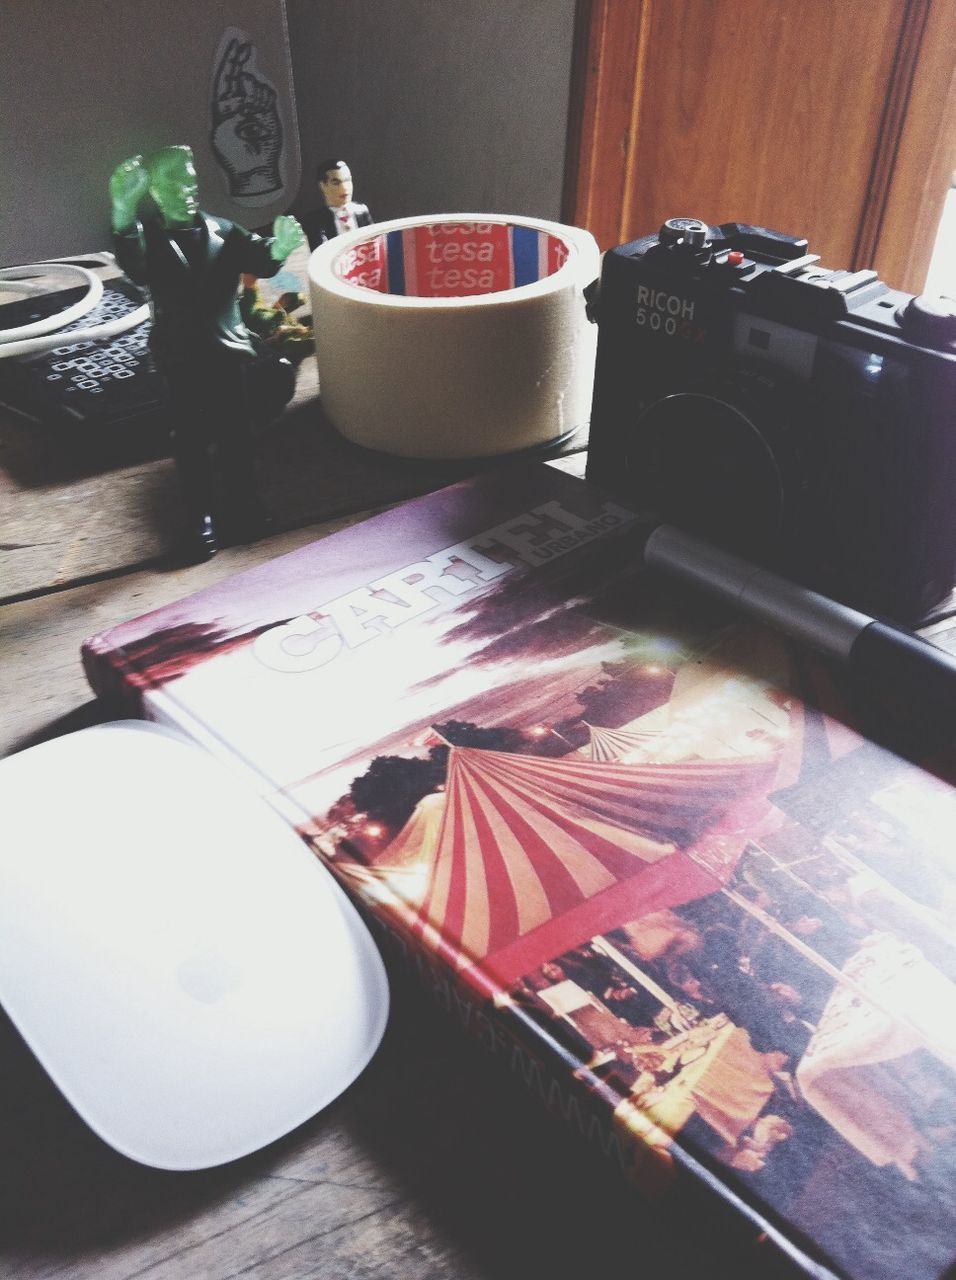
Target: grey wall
{"points": [[84, 85], [438, 106]]}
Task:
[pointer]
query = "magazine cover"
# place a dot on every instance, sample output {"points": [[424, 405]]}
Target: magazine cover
{"points": [[636, 838]]}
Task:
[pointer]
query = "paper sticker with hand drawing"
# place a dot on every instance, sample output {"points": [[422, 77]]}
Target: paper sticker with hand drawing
{"points": [[247, 134]]}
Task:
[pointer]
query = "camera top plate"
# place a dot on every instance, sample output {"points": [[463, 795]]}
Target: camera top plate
{"points": [[778, 275]]}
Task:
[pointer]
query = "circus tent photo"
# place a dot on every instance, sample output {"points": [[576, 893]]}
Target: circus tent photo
{"points": [[530, 855]]}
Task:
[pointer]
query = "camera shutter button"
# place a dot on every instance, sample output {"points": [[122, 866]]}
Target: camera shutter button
{"points": [[930, 319]]}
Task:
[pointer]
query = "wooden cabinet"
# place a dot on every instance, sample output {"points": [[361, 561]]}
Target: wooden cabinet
{"points": [[833, 119]]}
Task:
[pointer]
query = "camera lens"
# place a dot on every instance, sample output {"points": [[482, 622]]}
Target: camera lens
{"points": [[700, 462]]}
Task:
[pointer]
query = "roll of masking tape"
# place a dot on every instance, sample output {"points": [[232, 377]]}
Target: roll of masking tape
{"points": [[455, 335]]}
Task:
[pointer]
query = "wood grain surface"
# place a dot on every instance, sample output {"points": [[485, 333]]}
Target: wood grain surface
{"points": [[828, 119], [434, 1165], [63, 521]]}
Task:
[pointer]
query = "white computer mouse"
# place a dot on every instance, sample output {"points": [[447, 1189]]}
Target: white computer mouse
{"points": [[190, 976]]}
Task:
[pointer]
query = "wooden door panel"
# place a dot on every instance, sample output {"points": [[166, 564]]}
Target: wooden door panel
{"points": [[923, 159], [786, 113]]}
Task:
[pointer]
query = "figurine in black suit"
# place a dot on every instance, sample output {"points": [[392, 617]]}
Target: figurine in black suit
{"points": [[339, 212], [222, 386]]}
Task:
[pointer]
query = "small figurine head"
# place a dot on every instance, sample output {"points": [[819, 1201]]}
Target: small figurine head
{"points": [[335, 182], [172, 184]]}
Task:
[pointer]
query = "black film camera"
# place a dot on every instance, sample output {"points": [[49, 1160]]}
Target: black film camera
{"points": [[800, 416]]}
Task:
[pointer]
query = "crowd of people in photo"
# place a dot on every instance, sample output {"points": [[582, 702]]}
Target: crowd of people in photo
{"points": [[763, 954]]}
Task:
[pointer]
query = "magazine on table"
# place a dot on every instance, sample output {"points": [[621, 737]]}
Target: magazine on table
{"points": [[638, 839]]}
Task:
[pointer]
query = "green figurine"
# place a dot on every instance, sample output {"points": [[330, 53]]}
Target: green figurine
{"points": [[223, 385]]}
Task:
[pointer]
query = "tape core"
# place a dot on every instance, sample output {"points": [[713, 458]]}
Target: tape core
{"points": [[446, 259]]}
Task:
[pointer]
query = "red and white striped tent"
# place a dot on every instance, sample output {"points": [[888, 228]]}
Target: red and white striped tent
{"points": [[611, 744], [523, 858], [535, 855]]}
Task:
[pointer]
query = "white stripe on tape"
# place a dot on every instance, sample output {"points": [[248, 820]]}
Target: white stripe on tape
{"points": [[456, 335]]}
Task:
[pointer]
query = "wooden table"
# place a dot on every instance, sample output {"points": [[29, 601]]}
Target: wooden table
{"points": [[432, 1166]]}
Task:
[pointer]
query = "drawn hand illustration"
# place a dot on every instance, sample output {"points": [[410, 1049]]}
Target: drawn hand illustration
{"points": [[246, 128]]}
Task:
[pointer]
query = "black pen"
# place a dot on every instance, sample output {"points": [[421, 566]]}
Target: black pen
{"points": [[905, 671]]}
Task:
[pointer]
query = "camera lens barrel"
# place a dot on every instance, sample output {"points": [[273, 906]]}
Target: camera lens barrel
{"points": [[721, 460]]}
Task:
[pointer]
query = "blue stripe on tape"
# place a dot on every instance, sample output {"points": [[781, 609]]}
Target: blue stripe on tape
{"points": [[396, 262], [524, 242]]}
